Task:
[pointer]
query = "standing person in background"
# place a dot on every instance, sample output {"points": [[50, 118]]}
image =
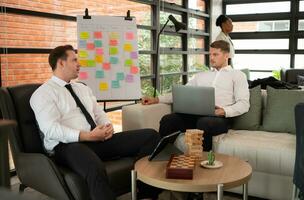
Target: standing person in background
{"points": [[226, 26]]}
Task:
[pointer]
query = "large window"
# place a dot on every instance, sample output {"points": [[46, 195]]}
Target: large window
{"points": [[268, 35]]}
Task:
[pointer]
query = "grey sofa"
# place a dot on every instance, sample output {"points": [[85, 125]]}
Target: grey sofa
{"points": [[38, 171]]}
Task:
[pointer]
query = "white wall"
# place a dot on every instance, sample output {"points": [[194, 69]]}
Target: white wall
{"points": [[216, 10]]}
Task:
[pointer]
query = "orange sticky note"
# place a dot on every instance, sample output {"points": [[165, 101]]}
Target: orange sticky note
{"points": [[98, 58], [128, 47], [99, 51], [83, 63], [90, 46], [83, 75], [129, 35], [113, 42], [106, 66], [134, 70], [98, 34], [103, 86]]}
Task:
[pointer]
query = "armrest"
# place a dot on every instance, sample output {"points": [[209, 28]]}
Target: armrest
{"points": [[140, 116], [37, 171]]}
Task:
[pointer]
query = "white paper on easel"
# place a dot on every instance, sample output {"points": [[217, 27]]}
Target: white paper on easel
{"points": [[108, 55]]}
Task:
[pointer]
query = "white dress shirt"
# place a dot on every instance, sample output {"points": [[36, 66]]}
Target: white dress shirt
{"points": [[223, 36], [57, 114], [230, 86]]}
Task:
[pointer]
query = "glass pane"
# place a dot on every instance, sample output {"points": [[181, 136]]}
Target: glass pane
{"points": [[197, 4], [142, 12], [171, 63], [261, 44], [196, 43], [301, 6], [177, 2], [144, 39], [170, 41], [261, 26], [254, 8], [197, 63], [166, 82], [256, 75], [301, 25], [145, 64], [261, 61], [24, 68], [300, 43], [299, 61], [195, 23], [35, 32], [164, 17], [146, 87]]}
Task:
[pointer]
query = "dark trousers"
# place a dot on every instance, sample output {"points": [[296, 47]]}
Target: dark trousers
{"points": [[211, 126], [86, 158]]}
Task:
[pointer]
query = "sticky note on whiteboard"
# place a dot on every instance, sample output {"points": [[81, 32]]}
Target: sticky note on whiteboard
{"points": [[99, 51], [134, 70], [83, 75], [98, 35], [129, 78], [84, 35], [128, 47], [103, 86], [99, 74], [129, 35]]}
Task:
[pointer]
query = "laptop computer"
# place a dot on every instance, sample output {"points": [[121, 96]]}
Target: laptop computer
{"points": [[193, 100]]}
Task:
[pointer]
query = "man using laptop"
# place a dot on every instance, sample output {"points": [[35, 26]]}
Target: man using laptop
{"points": [[231, 98]]}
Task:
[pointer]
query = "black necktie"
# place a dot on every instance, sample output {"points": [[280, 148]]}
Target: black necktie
{"points": [[81, 106]]}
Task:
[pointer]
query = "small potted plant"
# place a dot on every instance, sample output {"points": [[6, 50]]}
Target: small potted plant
{"points": [[211, 158]]}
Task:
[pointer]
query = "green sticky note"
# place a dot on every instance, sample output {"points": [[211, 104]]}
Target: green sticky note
{"points": [[115, 84], [113, 50], [128, 62], [91, 63], [99, 74], [98, 43], [120, 76], [113, 60]]}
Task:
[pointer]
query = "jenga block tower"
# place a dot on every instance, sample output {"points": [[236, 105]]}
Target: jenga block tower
{"points": [[193, 141]]}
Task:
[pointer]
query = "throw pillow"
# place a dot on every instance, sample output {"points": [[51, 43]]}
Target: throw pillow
{"points": [[300, 80], [279, 113], [252, 119]]}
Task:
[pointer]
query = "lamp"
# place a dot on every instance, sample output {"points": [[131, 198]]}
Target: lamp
{"points": [[178, 26]]}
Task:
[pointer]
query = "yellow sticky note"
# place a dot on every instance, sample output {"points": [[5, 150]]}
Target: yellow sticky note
{"points": [[98, 58], [114, 35], [128, 47], [84, 35], [83, 63], [83, 54], [103, 86]]}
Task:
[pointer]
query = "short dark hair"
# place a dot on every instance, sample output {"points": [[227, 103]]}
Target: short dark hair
{"points": [[221, 44], [221, 19], [59, 53]]}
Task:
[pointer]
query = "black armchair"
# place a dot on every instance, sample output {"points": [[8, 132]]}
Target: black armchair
{"points": [[298, 176], [38, 171]]}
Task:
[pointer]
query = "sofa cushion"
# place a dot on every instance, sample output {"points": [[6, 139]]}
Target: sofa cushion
{"points": [[279, 113], [252, 119], [265, 151]]}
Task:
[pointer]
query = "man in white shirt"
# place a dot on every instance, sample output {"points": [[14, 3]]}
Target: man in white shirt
{"points": [[231, 98], [77, 132]]}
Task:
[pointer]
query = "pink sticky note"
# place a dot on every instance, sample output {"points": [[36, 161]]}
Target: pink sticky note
{"points": [[134, 70], [83, 75], [113, 42], [97, 34], [90, 46], [106, 66], [129, 78], [134, 55], [99, 51], [129, 35]]}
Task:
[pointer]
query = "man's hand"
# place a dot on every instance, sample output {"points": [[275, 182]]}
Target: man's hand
{"points": [[149, 100], [219, 111], [100, 133]]}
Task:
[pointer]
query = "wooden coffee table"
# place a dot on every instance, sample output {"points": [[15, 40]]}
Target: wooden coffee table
{"points": [[235, 172]]}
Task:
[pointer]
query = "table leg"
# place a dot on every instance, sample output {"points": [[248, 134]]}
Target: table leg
{"points": [[245, 191], [220, 191], [133, 185]]}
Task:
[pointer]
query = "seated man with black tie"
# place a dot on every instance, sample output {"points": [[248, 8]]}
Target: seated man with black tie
{"points": [[78, 133]]}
